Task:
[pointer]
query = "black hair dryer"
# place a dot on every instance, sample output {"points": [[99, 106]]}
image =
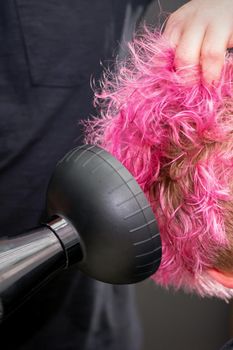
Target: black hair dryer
{"points": [[102, 222]]}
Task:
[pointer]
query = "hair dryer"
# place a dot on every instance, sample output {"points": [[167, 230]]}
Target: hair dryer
{"points": [[101, 221]]}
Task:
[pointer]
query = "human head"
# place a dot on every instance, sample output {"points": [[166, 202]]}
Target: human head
{"points": [[175, 135]]}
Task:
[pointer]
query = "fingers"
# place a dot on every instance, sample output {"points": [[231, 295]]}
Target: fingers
{"points": [[201, 31], [173, 32], [188, 50], [186, 36], [173, 35], [174, 26], [213, 50]]}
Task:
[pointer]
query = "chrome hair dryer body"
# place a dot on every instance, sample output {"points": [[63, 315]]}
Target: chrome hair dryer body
{"points": [[101, 221]]}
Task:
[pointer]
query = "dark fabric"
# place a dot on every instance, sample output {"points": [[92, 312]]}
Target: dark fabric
{"points": [[48, 51], [228, 345]]}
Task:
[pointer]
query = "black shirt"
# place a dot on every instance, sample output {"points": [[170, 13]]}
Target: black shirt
{"points": [[48, 52]]}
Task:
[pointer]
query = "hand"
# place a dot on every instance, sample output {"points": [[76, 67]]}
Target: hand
{"points": [[201, 32]]}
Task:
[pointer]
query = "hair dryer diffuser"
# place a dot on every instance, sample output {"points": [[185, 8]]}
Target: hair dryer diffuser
{"points": [[103, 222], [118, 233]]}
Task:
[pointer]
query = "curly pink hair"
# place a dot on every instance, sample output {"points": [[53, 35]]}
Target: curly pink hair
{"points": [[175, 135]]}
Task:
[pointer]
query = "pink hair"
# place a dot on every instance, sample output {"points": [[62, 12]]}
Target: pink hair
{"points": [[175, 135]]}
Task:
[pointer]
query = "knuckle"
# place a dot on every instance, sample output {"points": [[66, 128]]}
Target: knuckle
{"points": [[183, 58], [175, 20], [211, 53]]}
